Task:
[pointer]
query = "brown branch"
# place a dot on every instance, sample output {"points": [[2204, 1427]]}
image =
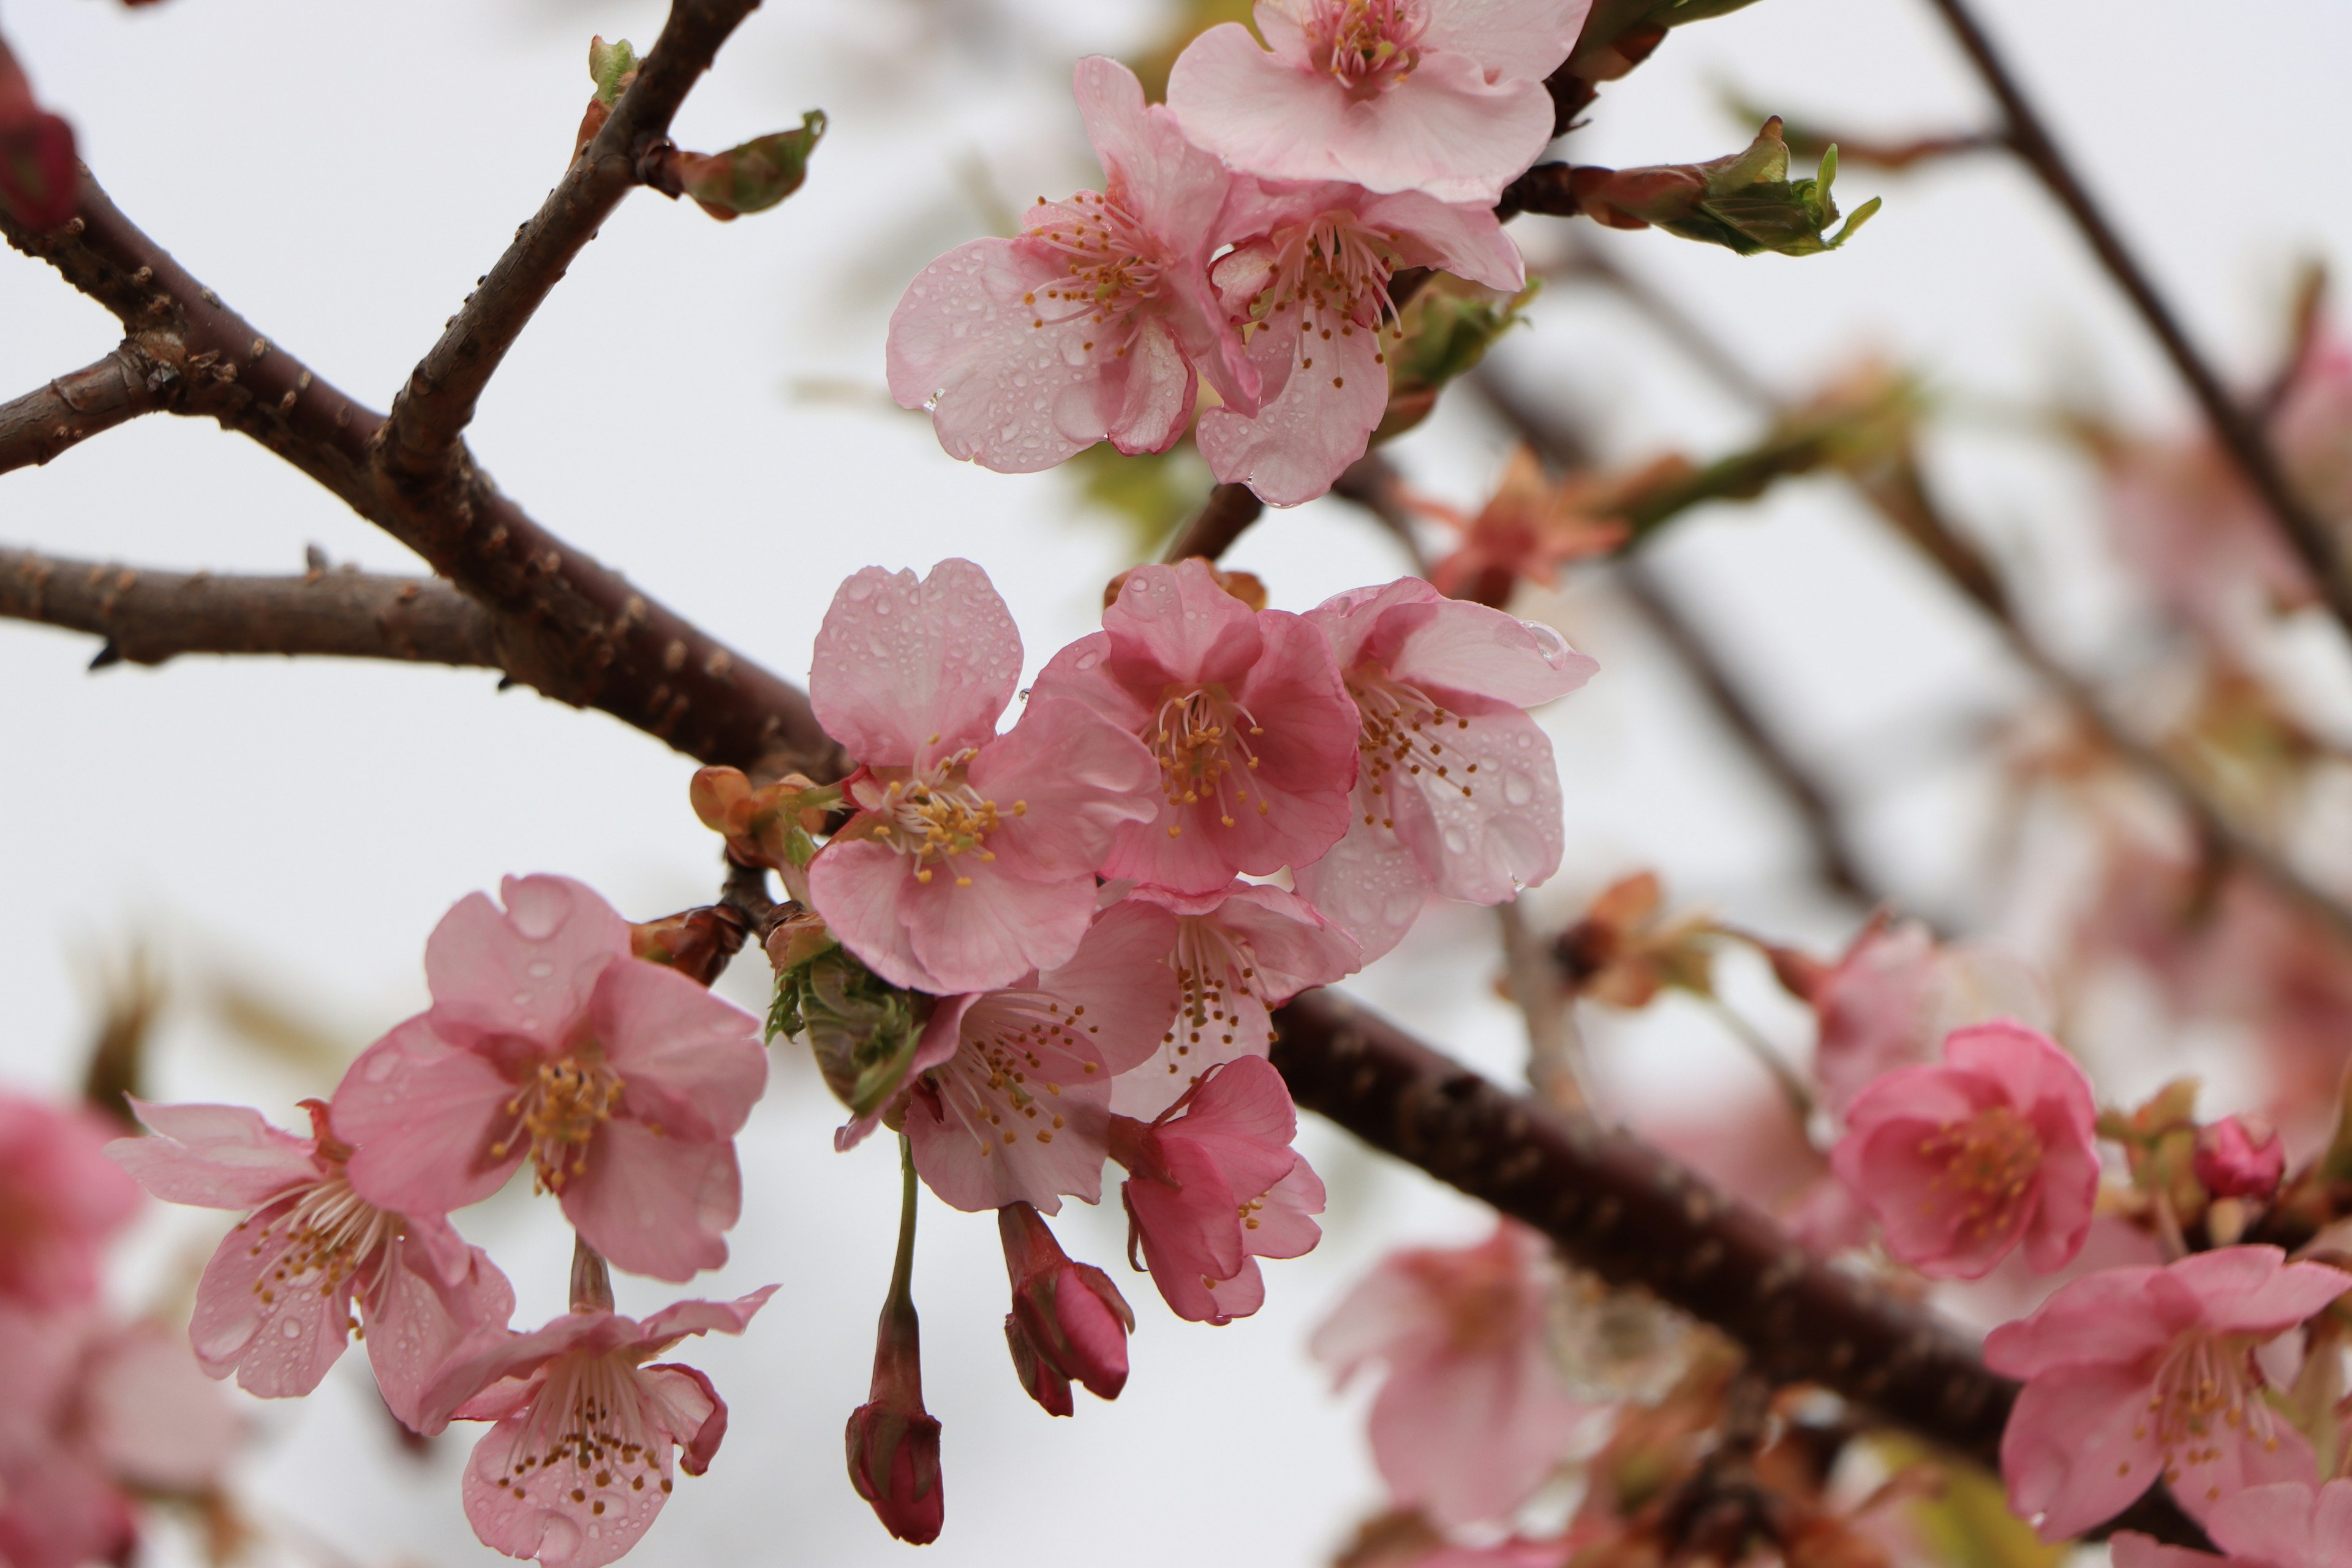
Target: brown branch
{"points": [[1230, 512], [2029, 137], [149, 617], [43, 423], [418, 440]]}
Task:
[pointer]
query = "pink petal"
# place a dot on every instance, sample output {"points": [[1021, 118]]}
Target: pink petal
{"points": [[2102, 1319], [2284, 1524], [1514, 39], [691, 1411], [2069, 1183], [1189, 1232], [1463, 647], [261, 1314], [422, 1118], [2245, 1290], [495, 1372], [2133, 1550], [1281, 1227], [980, 926], [1074, 778], [1370, 884], [528, 1509], [1306, 435], [1349, 621], [1492, 822], [1295, 949], [1158, 391], [1241, 1116], [2235, 1459], [524, 972], [1256, 110], [983, 1140], [690, 1063], [906, 672], [155, 1420], [1446, 132], [1118, 989], [862, 888], [1154, 171], [682, 1318], [2079, 1448], [1174, 625], [1462, 237], [1468, 1438], [416, 1319], [213, 1156], [656, 1204]]}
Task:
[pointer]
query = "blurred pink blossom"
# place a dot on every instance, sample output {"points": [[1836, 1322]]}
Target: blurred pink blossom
{"points": [[275, 1303], [623, 1082], [1455, 793], [61, 1200], [581, 1458], [1442, 95], [2233, 1162], [1896, 991], [2288, 1525], [1245, 714], [1473, 1414], [1993, 1148], [970, 859], [2140, 1373], [1213, 1185]]}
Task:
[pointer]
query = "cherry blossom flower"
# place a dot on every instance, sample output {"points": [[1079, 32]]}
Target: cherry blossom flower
{"points": [[1310, 273], [2234, 1162], [1008, 1093], [1473, 1414], [970, 861], [2135, 1374], [1895, 992], [1242, 710], [622, 1082], [1214, 1186], [1238, 953], [1093, 322], [1529, 528], [1455, 792], [98, 1414], [1963, 1162], [1068, 1321], [61, 1201], [2286, 1525], [1442, 95], [581, 1458], [275, 1303]]}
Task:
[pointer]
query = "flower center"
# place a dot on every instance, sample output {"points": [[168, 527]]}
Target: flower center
{"points": [[556, 1114], [1212, 966], [1336, 270], [1368, 45], [330, 1232], [590, 1421], [1479, 1297], [1112, 264], [2207, 1387], [1202, 740], [1401, 742], [1989, 1161], [1006, 1077], [938, 817]]}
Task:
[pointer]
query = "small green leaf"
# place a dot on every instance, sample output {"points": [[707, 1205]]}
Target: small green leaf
{"points": [[607, 64], [755, 175], [862, 1030]]}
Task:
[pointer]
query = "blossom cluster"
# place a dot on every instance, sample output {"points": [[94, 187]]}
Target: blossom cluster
{"points": [[1247, 240]]}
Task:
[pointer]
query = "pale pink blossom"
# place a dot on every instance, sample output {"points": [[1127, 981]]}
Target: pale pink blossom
{"points": [[1092, 322], [622, 1082], [2286, 1525], [275, 1303], [2137, 1374], [1009, 1094], [1896, 991], [1213, 1185], [1473, 1414], [1309, 272], [970, 861], [588, 1438], [1455, 789], [1991, 1150], [1442, 95], [1238, 953], [1244, 714], [61, 1200], [97, 1415]]}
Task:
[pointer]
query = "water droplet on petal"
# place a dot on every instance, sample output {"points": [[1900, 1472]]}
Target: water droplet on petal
{"points": [[540, 969], [1517, 788]]}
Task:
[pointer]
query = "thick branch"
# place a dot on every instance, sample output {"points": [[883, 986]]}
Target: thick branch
{"points": [[148, 617], [418, 440], [2239, 435], [40, 425]]}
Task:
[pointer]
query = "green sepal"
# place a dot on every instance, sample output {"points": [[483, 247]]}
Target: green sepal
{"points": [[862, 1030]]}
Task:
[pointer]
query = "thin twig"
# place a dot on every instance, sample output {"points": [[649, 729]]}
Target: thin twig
{"points": [[149, 617], [2029, 137], [1230, 512], [35, 428]]}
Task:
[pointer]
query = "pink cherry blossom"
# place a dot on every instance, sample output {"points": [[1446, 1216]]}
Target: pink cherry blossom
{"points": [[1896, 991], [1068, 1321], [581, 1458], [1213, 1185], [2233, 1160], [1456, 790], [1310, 273], [2135, 1374], [1963, 1162], [970, 859], [622, 1083], [2286, 1525], [61, 1201], [1442, 95], [1092, 322], [275, 1303], [1238, 953], [1473, 1414], [1242, 710], [1010, 1091]]}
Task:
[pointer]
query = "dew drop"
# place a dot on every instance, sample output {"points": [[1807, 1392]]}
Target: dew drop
{"points": [[540, 969], [1517, 788], [289, 1328]]}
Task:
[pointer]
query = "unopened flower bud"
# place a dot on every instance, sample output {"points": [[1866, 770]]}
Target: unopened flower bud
{"points": [[1068, 1321], [893, 1442], [696, 943], [36, 154], [2235, 1159]]}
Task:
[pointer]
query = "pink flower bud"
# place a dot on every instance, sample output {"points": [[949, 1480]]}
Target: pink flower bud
{"points": [[2235, 1159], [1068, 1321], [894, 1463]]}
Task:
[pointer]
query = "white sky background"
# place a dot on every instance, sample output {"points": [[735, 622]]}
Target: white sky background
{"points": [[340, 172]]}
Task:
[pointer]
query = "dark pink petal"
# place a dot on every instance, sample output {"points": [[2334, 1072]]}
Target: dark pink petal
{"points": [[1075, 777], [1188, 1231], [524, 973], [656, 1204], [2253, 1289], [2079, 1448], [2102, 1319], [1280, 1225], [1241, 1116], [692, 1413], [908, 672], [2065, 1206], [423, 1117], [1174, 625], [690, 1062], [213, 1156], [62, 1510]]}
